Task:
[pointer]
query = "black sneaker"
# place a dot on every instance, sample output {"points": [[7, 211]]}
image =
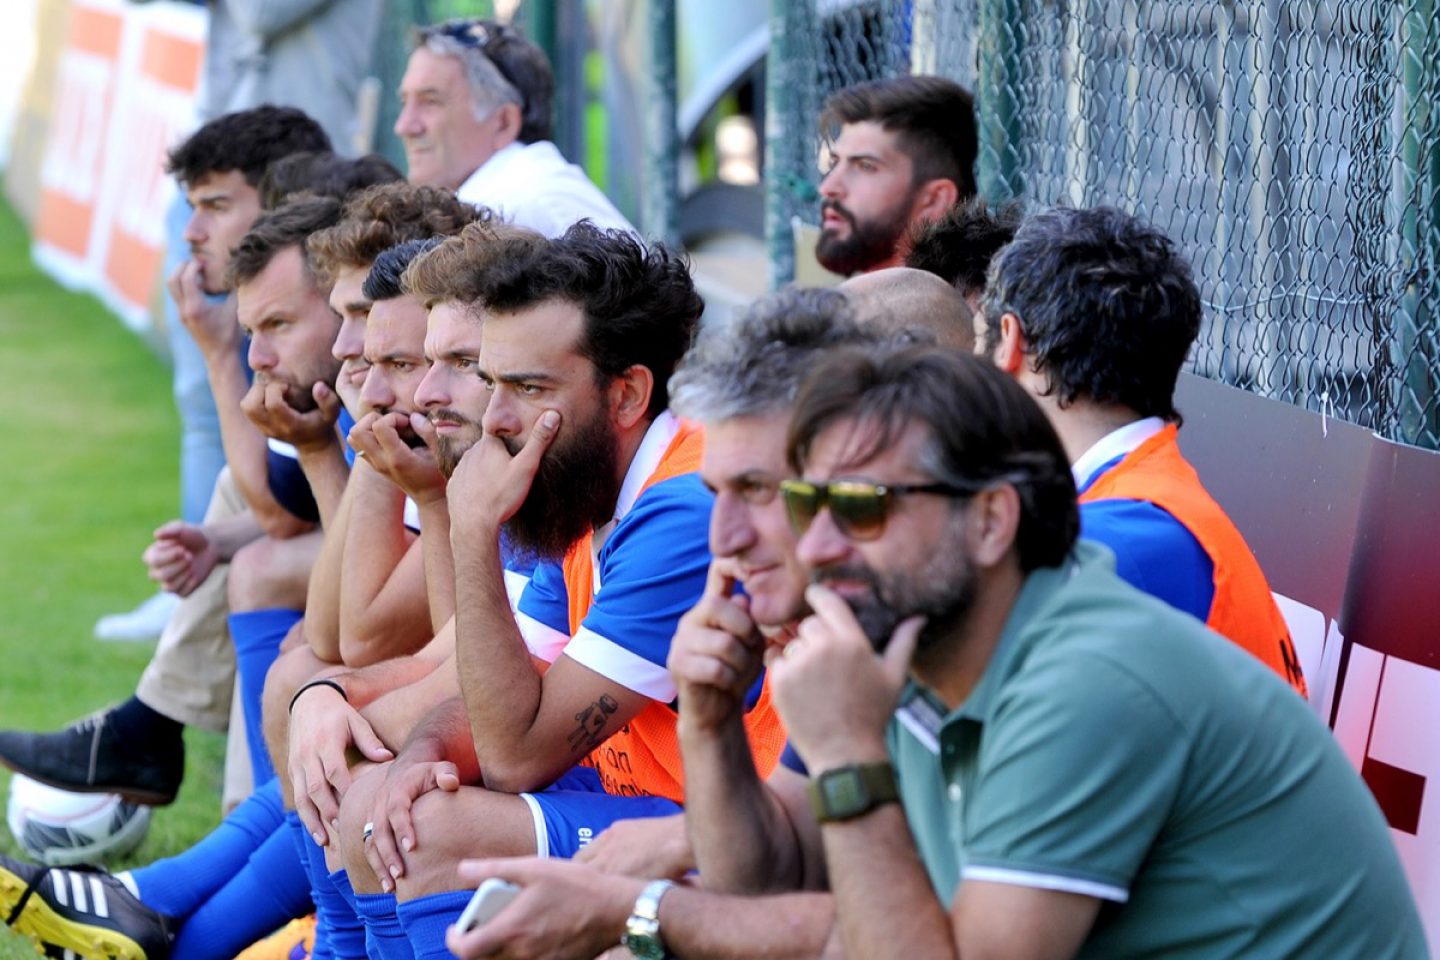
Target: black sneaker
{"points": [[90, 757], [80, 912]]}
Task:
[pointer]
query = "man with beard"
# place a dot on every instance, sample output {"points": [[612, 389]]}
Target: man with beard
{"points": [[901, 151], [1079, 730], [580, 335]]}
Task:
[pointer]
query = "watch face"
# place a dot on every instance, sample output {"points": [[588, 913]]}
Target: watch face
{"points": [[844, 790]]}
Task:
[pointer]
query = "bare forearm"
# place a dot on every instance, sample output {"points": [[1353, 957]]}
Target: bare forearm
{"points": [[439, 561], [395, 714], [244, 445], [698, 925], [497, 678], [375, 542], [363, 687], [742, 840], [395, 623], [876, 876], [322, 600], [327, 473], [229, 534]]}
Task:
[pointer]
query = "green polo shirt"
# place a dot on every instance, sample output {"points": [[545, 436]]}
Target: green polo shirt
{"points": [[1118, 749]]}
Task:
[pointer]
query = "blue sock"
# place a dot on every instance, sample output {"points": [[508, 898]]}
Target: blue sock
{"points": [[347, 943], [268, 892], [178, 885], [301, 838], [384, 937], [336, 924], [426, 919], [257, 635]]}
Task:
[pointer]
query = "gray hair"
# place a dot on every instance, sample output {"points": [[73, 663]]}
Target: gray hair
{"points": [[488, 87], [754, 366]]}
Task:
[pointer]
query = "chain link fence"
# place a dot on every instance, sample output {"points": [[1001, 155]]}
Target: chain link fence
{"points": [[1291, 147]]}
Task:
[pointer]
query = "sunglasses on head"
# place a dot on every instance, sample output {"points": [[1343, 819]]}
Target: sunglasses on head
{"points": [[474, 33], [859, 509], [483, 36]]}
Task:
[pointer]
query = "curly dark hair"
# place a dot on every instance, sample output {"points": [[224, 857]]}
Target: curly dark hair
{"points": [[638, 301], [934, 118], [247, 141], [984, 429], [959, 246], [1106, 302], [380, 217], [323, 174], [286, 226], [455, 269]]}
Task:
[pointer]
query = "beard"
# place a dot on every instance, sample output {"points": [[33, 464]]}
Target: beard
{"points": [[943, 594], [869, 243], [449, 448], [574, 490]]}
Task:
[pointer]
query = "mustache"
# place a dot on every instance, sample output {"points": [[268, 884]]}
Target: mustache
{"points": [[837, 207], [446, 415], [852, 573]]}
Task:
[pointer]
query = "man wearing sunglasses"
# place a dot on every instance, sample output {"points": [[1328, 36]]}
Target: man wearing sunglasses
{"points": [[475, 117], [1093, 312], [1084, 771], [1078, 730]]}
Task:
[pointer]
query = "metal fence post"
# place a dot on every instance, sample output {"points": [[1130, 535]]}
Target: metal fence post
{"points": [[659, 202], [998, 102], [1415, 350], [786, 79]]}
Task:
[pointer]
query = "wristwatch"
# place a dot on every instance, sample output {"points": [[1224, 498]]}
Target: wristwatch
{"points": [[849, 791], [642, 930]]}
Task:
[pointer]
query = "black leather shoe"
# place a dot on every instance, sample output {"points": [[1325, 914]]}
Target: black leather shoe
{"points": [[80, 912], [89, 757]]}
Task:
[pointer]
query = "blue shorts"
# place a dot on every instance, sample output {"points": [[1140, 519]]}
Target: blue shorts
{"points": [[573, 810]]}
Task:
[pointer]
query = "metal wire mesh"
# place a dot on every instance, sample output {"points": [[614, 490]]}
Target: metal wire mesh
{"points": [[1291, 147]]}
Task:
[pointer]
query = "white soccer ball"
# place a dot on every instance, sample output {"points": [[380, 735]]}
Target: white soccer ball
{"points": [[60, 828]]}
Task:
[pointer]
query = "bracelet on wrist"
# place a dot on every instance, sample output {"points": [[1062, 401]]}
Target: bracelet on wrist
{"points": [[333, 685]]}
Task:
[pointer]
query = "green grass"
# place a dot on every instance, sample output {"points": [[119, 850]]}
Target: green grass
{"points": [[89, 461]]}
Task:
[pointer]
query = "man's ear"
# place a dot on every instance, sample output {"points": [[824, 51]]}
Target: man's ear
{"points": [[629, 395], [994, 516], [1010, 345], [933, 200], [508, 121]]}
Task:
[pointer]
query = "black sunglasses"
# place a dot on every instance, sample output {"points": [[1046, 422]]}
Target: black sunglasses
{"points": [[858, 508]]}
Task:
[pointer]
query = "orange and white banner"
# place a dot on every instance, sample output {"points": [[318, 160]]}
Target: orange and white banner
{"points": [[124, 94]]}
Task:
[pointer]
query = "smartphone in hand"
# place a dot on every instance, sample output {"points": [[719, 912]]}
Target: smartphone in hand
{"points": [[490, 898]]}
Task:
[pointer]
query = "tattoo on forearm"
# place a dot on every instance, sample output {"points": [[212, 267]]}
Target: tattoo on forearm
{"points": [[590, 724]]}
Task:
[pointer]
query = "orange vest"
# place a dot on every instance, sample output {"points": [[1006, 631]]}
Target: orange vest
{"points": [[643, 758], [1243, 608]]}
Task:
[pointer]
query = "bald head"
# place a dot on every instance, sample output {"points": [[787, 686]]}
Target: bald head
{"points": [[902, 298]]}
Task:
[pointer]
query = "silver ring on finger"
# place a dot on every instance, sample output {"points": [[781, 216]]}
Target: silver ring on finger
{"points": [[367, 831]]}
